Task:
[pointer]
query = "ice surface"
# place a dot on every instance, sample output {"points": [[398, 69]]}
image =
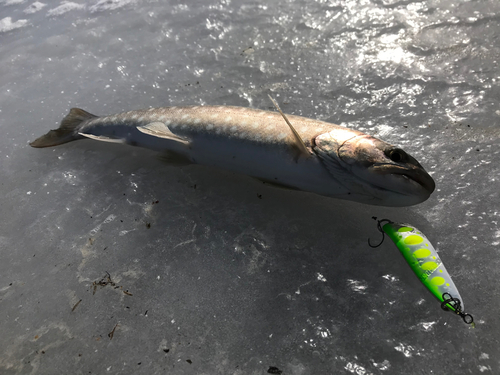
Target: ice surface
{"points": [[35, 7], [66, 6], [6, 24], [215, 273]]}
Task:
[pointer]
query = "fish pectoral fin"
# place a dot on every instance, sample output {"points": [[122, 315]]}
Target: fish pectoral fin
{"points": [[160, 130], [102, 138], [298, 141], [174, 158]]}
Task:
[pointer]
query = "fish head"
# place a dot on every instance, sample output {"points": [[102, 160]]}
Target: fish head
{"points": [[376, 172]]}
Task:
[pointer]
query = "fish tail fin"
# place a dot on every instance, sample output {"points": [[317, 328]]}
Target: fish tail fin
{"points": [[66, 132]]}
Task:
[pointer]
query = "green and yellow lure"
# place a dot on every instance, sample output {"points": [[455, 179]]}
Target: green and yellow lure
{"points": [[426, 264]]}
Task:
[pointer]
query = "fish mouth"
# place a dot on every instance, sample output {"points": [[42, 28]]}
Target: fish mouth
{"points": [[414, 176]]}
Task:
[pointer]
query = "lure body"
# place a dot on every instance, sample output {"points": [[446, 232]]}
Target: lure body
{"points": [[424, 261]]}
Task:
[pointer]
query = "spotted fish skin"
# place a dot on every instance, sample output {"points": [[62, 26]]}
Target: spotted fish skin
{"points": [[245, 140]]}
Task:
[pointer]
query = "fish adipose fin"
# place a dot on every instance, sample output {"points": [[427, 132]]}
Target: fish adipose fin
{"points": [[160, 130], [299, 143], [66, 131]]}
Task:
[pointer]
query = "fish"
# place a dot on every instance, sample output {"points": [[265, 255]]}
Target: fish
{"points": [[288, 151]]}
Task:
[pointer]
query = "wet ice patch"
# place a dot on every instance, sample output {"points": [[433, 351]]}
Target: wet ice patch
{"points": [[484, 368], [13, 2], [390, 278], [320, 330], [70, 178], [357, 286], [384, 130], [407, 350], [6, 24], [108, 220], [104, 5], [396, 55], [320, 277], [253, 246], [35, 7], [496, 242], [124, 232], [426, 326], [384, 365], [355, 368], [65, 7], [134, 272]]}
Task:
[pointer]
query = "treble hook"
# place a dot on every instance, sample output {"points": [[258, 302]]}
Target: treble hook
{"points": [[456, 305], [379, 227]]}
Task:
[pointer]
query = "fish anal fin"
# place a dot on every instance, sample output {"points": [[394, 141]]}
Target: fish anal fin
{"points": [[67, 131], [174, 158], [103, 138], [160, 130], [298, 141]]}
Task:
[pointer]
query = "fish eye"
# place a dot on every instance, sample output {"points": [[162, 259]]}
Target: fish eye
{"points": [[397, 155]]}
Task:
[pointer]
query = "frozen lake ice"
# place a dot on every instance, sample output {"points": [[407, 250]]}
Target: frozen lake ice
{"points": [[114, 263]]}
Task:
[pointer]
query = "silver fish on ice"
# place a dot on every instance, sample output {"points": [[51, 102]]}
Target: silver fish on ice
{"points": [[290, 151]]}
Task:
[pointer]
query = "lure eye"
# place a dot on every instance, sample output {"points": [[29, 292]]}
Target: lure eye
{"points": [[397, 155]]}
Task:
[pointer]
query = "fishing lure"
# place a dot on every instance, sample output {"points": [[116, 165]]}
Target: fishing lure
{"points": [[425, 263]]}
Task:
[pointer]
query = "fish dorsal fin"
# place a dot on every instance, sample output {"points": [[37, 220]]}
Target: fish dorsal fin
{"points": [[102, 138], [299, 143], [160, 130]]}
